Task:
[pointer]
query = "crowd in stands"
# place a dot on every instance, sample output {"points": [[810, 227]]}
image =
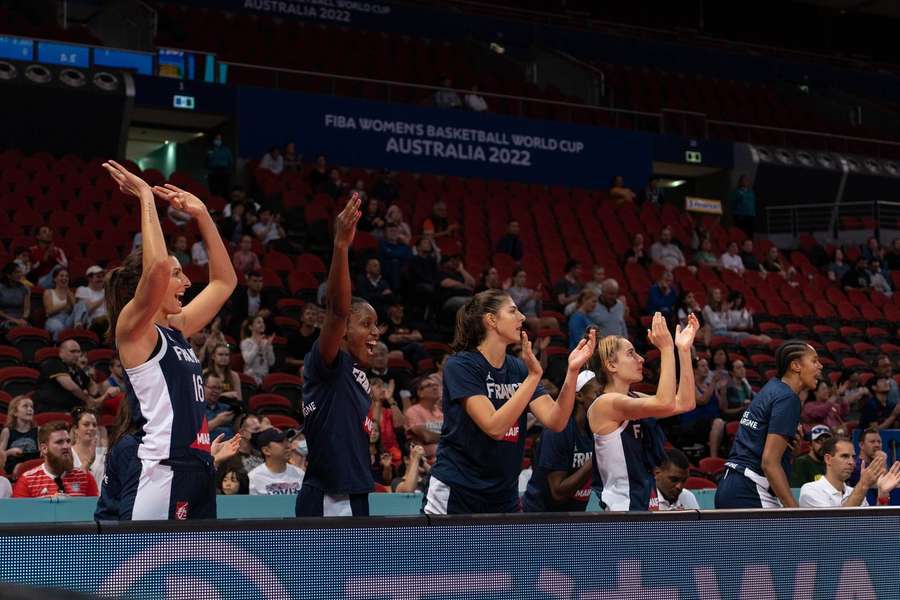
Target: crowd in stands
{"points": [[416, 261]]}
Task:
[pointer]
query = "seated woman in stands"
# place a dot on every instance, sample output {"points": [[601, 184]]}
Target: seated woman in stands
{"points": [[18, 440], [15, 299]]}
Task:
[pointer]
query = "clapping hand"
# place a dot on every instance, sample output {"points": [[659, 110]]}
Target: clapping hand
{"points": [[684, 338], [658, 334], [222, 449], [129, 183], [531, 361], [890, 480], [181, 199], [870, 475], [345, 224], [583, 351]]}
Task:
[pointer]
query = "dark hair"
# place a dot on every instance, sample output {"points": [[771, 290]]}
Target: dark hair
{"points": [[571, 264], [49, 428], [211, 368], [243, 480], [675, 458], [121, 284], [787, 353], [734, 296], [869, 430], [123, 424], [8, 269], [470, 330], [80, 411], [829, 446]]}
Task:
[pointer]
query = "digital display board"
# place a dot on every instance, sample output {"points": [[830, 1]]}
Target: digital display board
{"points": [[122, 59], [171, 63], [63, 54], [15, 48]]}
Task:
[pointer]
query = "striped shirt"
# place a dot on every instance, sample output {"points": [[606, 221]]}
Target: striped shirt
{"points": [[39, 483]]}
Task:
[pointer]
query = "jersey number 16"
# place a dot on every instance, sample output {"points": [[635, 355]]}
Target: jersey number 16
{"points": [[198, 388]]}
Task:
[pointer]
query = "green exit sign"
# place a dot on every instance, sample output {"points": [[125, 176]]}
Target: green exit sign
{"points": [[692, 156]]}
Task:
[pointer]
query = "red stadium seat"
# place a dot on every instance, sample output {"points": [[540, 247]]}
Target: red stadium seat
{"points": [[10, 357], [699, 483], [18, 380], [43, 418], [712, 466], [266, 403], [284, 422], [28, 340]]}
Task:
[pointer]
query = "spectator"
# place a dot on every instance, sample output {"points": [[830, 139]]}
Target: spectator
{"points": [[63, 385], [416, 472], [299, 452], [748, 257], [664, 252], [219, 163], [670, 477], [233, 225], [199, 255], [219, 415], [529, 301], [739, 318], [23, 260], [620, 194], [292, 161], [702, 424], [269, 228], [45, 256], [88, 445], [59, 304], [359, 188], [245, 259], [687, 306], [247, 457], [663, 296], [580, 319], [825, 408], [57, 474], [373, 219], [474, 101], [424, 419], [877, 280], [272, 161], [637, 253], [335, 186], [233, 481], [810, 466], [394, 216], [456, 284], [611, 311], [446, 97], [704, 257], [879, 410], [774, 264], [319, 175], [116, 377], [276, 476], [179, 217], [394, 255], [885, 368], [249, 301], [379, 369], [256, 349], [489, 280], [870, 448], [893, 257], [300, 342], [437, 224], [872, 250], [19, 439], [567, 289], [386, 188], [15, 299], [653, 194], [598, 276], [401, 335], [90, 308], [742, 202], [510, 244], [180, 250], [229, 381], [372, 287], [831, 491], [732, 260], [739, 392], [424, 271], [386, 416], [716, 316]]}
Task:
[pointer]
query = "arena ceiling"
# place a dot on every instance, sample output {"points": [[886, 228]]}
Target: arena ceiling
{"points": [[885, 8]]}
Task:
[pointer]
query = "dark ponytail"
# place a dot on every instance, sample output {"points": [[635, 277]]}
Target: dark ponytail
{"points": [[470, 329], [121, 284], [787, 353]]}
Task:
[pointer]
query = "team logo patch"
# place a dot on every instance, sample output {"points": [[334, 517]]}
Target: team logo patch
{"points": [[181, 511], [512, 435], [369, 426]]}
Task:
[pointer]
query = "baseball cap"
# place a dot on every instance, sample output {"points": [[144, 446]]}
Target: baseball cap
{"points": [[93, 269], [583, 378], [263, 438], [819, 431]]}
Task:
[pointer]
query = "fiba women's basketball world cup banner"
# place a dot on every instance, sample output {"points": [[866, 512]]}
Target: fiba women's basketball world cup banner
{"points": [[455, 142]]}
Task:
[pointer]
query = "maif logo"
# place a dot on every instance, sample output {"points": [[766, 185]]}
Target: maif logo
{"points": [[190, 568]]}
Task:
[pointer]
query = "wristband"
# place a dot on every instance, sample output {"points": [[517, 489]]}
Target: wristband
{"points": [[884, 500]]}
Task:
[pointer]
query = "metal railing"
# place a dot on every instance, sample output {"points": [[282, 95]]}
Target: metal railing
{"points": [[833, 142], [833, 217]]}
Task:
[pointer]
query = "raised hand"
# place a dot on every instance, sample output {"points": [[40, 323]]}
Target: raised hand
{"points": [[345, 224], [684, 338], [890, 480], [531, 361], [222, 449], [583, 351], [658, 334], [181, 199], [872, 472], [128, 182]]}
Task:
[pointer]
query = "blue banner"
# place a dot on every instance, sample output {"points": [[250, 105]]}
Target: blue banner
{"points": [[325, 11], [853, 554], [452, 142]]}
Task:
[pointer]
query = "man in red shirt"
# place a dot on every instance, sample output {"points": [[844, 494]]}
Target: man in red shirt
{"points": [[57, 474], [45, 255]]}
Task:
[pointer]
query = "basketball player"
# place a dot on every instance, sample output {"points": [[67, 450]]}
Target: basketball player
{"points": [[628, 443], [336, 392], [758, 470], [163, 382], [486, 394]]}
